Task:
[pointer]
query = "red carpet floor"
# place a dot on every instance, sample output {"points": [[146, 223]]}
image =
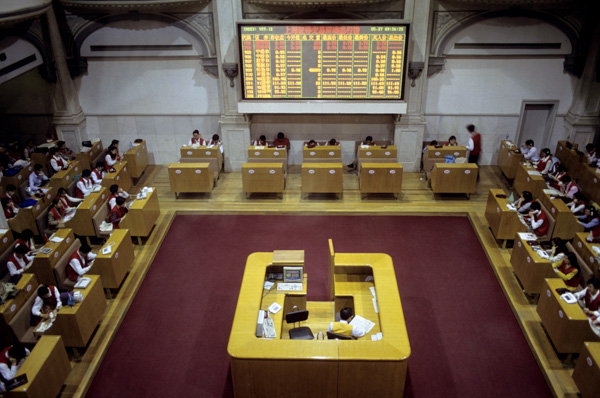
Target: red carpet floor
{"points": [[464, 338]]}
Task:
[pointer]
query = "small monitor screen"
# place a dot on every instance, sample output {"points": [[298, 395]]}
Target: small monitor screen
{"points": [[292, 274]]}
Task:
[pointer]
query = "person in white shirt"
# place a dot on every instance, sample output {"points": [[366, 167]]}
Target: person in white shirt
{"points": [[11, 360], [98, 173], [343, 327], [36, 179], [80, 262], [530, 152], [261, 141], [111, 158], [116, 192], [56, 161], [196, 139], [46, 304], [215, 141], [19, 261], [85, 185], [589, 299]]}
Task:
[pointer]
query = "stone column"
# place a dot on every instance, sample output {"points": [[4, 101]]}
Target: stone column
{"points": [[69, 120], [235, 127], [409, 128], [582, 121]]}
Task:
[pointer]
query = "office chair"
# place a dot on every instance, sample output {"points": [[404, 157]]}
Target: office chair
{"points": [[302, 332], [336, 336]]}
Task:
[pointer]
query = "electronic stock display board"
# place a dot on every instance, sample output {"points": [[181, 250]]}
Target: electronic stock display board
{"points": [[322, 61]]}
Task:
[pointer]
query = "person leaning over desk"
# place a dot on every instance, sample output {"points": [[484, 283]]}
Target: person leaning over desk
{"points": [[343, 327], [11, 360], [569, 271], [538, 219], [37, 178], [589, 299]]}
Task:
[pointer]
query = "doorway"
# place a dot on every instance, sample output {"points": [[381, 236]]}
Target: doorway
{"points": [[536, 122]]}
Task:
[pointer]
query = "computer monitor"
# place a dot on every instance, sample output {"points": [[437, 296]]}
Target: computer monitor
{"points": [[293, 274]]}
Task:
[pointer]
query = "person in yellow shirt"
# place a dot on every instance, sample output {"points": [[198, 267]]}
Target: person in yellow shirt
{"points": [[343, 327]]}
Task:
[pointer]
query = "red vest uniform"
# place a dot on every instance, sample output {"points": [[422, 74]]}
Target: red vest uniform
{"points": [[11, 199], [71, 274], [50, 303], [574, 281], [88, 184], [591, 305], [543, 229], [541, 166], [120, 214], [199, 141], [3, 358], [59, 161], [13, 259], [20, 241], [476, 144], [281, 143], [9, 212], [97, 173]]}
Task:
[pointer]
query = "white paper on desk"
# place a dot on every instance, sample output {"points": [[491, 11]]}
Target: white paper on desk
{"points": [[82, 283], [375, 305], [542, 254], [511, 207], [259, 147], [43, 326], [56, 239], [268, 285], [365, 324], [373, 292], [377, 336], [534, 173], [3, 231], [552, 191], [107, 250], [527, 236]]}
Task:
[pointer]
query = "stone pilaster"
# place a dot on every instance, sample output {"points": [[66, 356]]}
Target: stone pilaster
{"points": [[236, 139]]}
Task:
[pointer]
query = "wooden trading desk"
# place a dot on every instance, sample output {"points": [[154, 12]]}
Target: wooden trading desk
{"points": [[454, 178], [322, 178], [190, 177], [566, 324], [524, 181], [323, 368], [18, 178], [530, 268], [76, 324], [434, 155], [113, 267], [137, 159], [47, 367], [322, 154], [64, 178], [203, 154], [142, 216], [28, 285], [587, 371], [381, 178], [86, 159], [43, 264], [26, 217], [509, 157], [504, 223], [566, 225], [41, 159], [82, 222], [263, 154], [589, 181], [263, 178], [584, 249], [570, 158], [121, 177], [6, 239]]}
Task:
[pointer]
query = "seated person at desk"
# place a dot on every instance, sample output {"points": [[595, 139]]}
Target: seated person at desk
{"points": [[591, 154], [11, 360], [36, 179], [568, 270], [568, 187], [556, 178], [215, 141], [523, 204], [80, 262], [591, 222], [115, 192], [333, 142], [56, 161], [65, 152], [56, 214], [118, 212], [196, 139], [28, 150], [281, 141], [451, 141], [26, 239], [431, 143], [9, 209], [261, 141], [311, 144], [343, 327], [545, 163], [558, 252], [577, 205], [68, 202], [85, 185], [115, 143], [538, 220], [530, 152], [46, 304], [11, 194], [98, 173], [111, 158], [369, 141], [18, 262], [589, 299]]}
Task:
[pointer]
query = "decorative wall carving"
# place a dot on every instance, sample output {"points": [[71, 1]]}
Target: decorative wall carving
{"points": [[140, 5], [317, 3], [12, 13]]}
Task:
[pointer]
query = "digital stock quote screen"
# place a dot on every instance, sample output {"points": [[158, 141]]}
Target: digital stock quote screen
{"points": [[323, 61]]}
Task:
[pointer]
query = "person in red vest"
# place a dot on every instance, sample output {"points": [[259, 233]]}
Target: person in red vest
{"points": [[26, 239], [85, 185], [591, 155], [46, 304], [474, 145], [589, 299], [281, 141], [538, 219], [98, 173], [545, 163], [56, 161], [111, 158], [18, 262], [118, 212], [556, 178], [56, 214], [451, 141], [9, 209], [261, 141], [11, 360], [115, 144], [65, 152], [343, 327], [80, 262], [568, 270], [68, 202], [115, 192], [11, 195], [196, 139]]}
